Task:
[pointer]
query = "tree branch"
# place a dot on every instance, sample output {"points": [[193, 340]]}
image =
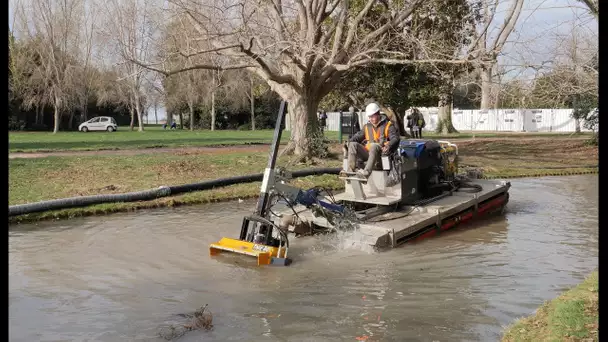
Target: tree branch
{"points": [[354, 25], [508, 26], [272, 75], [339, 30], [394, 61], [210, 50], [484, 30], [396, 22], [193, 67]]}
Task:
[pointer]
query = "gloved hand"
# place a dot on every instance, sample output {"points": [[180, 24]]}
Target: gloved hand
{"points": [[385, 150]]}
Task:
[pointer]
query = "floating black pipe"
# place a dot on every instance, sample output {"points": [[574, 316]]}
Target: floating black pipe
{"points": [[145, 195]]}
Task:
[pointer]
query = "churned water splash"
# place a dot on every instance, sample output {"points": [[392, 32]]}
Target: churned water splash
{"points": [[346, 234], [351, 239]]}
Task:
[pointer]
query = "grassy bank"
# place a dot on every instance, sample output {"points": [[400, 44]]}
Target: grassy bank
{"points": [[573, 316], [33, 180], [155, 137]]}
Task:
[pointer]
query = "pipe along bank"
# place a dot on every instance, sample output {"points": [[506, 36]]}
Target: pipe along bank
{"points": [[165, 191], [146, 195]]}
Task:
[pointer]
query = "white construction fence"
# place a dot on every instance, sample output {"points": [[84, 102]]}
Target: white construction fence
{"points": [[499, 120]]}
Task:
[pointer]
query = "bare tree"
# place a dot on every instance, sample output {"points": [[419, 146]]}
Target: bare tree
{"points": [[254, 88], [110, 89], [302, 47], [568, 69], [27, 78], [194, 85], [157, 84], [186, 88], [492, 43], [130, 29], [574, 72], [251, 97], [240, 89], [88, 73], [154, 93], [52, 27], [214, 86]]}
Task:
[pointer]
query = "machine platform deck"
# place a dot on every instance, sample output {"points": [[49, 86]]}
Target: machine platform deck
{"points": [[393, 232]]}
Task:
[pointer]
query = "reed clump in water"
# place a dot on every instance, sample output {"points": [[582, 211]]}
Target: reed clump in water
{"points": [[202, 319]]}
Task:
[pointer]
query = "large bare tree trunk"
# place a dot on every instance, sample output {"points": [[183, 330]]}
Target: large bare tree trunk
{"points": [[132, 112], [139, 116], [213, 110], [306, 137], [155, 115], [57, 116], [181, 120], [252, 106], [486, 88], [191, 109], [444, 124]]}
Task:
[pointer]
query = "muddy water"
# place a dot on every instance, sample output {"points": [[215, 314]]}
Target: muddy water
{"points": [[125, 276]]}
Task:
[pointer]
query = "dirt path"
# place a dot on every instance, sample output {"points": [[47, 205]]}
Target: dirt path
{"points": [[133, 152], [235, 148]]}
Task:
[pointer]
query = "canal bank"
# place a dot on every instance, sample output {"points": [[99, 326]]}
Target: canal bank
{"points": [[572, 316]]}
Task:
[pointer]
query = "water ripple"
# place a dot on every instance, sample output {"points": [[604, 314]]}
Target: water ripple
{"points": [[121, 277]]}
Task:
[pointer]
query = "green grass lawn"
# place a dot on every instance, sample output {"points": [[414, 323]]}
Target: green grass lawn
{"points": [[124, 139], [573, 316], [155, 136]]}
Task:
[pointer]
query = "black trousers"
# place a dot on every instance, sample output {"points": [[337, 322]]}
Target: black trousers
{"points": [[416, 133]]}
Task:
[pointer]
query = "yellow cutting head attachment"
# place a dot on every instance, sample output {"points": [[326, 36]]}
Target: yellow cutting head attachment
{"points": [[266, 255]]}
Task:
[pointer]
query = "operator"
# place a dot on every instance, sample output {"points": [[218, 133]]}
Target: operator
{"points": [[378, 137]]}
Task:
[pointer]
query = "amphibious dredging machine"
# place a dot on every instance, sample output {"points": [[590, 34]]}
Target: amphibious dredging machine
{"points": [[413, 194]]}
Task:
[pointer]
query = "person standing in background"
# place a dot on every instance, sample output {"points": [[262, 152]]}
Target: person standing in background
{"points": [[322, 120], [409, 124], [413, 121], [420, 123]]}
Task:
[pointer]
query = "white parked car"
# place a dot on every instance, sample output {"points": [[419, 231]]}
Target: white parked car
{"points": [[99, 123]]}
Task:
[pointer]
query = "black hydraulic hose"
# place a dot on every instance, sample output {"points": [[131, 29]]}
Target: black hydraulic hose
{"points": [[81, 201], [216, 183], [145, 195]]}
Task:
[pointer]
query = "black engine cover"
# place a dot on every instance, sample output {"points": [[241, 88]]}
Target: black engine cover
{"points": [[421, 169]]}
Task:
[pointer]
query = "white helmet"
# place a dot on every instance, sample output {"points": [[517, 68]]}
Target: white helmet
{"points": [[372, 109]]}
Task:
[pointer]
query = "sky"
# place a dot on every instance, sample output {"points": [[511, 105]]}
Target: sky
{"points": [[534, 39]]}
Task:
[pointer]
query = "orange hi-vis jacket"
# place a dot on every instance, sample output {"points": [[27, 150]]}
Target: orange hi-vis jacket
{"points": [[378, 134]]}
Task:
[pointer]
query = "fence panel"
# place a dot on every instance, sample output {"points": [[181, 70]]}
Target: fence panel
{"points": [[501, 120]]}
